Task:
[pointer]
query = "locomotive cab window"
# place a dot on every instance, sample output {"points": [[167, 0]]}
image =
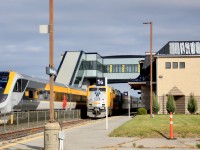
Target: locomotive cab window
{"points": [[102, 89], [92, 89]]}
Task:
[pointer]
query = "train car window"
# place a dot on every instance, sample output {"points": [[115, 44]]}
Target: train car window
{"points": [[24, 83], [102, 89], [27, 93], [92, 89], [35, 96], [18, 86], [31, 93], [41, 92]]}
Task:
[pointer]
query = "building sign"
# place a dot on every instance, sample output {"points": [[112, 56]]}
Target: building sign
{"points": [[184, 48], [100, 82]]}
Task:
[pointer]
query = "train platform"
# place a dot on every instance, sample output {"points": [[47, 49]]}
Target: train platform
{"points": [[94, 136]]}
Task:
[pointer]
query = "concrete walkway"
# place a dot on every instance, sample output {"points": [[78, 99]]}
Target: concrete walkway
{"points": [[94, 136]]}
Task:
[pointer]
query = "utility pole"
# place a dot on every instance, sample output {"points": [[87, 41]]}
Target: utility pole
{"points": [[51, 56], [151, 65], [51, 131]]}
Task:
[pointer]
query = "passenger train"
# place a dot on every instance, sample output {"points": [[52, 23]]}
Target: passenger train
{"points": [[97, 101], [117, 102], [19, 92]]}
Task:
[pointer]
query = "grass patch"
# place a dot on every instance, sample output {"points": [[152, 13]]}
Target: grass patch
{"points": [[143, 126], [198, 146]]}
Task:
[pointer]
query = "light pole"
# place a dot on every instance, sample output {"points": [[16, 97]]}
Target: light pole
{"points": [[51, 56], [51, 130], [151, 65]]}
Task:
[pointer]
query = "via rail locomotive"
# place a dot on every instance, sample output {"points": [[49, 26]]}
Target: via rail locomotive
{"points": [[96, 101], [19, 92]]}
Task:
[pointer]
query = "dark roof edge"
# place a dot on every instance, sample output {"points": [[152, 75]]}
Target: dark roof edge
{"points": [[124, 56]]}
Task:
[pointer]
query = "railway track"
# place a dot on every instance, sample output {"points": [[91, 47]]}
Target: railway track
{"points": [[25, 132]]}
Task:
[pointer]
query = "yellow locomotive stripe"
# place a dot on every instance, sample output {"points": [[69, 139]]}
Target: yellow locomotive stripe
{"points": [[10, 81], [66, 90], [57, 89], [78, 92]]}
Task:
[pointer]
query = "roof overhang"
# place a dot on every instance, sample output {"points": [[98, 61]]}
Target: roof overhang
{"points": [[138, 85]]}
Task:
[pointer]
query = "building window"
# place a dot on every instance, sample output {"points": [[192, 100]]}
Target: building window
{"points": [[111, 69], [182, 65], [167, 65], [123, 68], [175, 65]]}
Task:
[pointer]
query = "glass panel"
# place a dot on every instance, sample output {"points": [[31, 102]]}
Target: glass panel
{"points": [[168, 65], [136, 68], [92, 89], [175, 65], [123, 68], [18, 86], [182, 64], [111, 69], [120, 68], [3, 82], [102, 89]]}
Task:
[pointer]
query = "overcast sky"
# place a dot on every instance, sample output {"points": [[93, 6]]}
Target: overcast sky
{"points": [[109, 27]]}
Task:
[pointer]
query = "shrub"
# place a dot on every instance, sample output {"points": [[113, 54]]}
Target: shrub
{"points": [[156, 106], [192, 104], [170, 106], [141, 111]]}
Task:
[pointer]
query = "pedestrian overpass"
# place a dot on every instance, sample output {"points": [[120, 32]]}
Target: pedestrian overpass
{"points": [[80, 69]]}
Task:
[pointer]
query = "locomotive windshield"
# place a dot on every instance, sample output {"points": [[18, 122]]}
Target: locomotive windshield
{"points": [[3, 79], [97, 89], [3, 82]]}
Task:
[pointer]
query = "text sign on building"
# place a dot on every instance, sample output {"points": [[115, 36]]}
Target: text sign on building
{"points": [[51, 71], [100, 82], [184, 48]]}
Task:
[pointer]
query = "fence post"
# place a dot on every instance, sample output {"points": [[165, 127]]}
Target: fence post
{"points": [[58, 115], [64, 115], [28, 119], [4, 122], [73, 114], [45, 116], [17, 120], [37, 118]]}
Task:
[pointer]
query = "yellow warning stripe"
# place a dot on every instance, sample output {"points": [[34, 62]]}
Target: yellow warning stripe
{"points": [[10, 81]]}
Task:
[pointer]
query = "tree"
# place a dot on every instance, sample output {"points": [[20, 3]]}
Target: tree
{"points": [[170, 106], [192, 104], [156, 106]]}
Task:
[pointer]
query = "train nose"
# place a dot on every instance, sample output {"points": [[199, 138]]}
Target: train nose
{"points": [[3, 97]]}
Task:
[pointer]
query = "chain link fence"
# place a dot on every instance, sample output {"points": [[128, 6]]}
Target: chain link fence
{"points": [[33, 119]]}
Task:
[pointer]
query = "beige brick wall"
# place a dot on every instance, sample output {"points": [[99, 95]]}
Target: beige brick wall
{"points": [[187, 80]]}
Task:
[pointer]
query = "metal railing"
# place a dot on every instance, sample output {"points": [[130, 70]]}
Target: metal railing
{"points": [[33, 119]]}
